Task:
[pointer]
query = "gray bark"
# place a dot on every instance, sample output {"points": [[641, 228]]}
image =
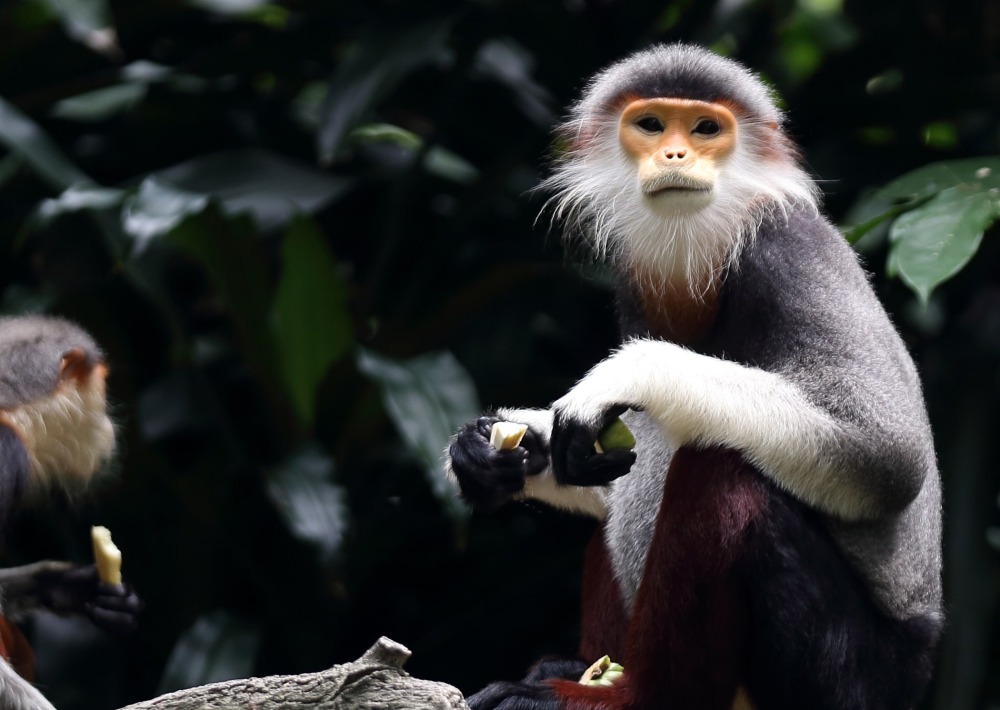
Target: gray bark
{"points": [[376, 681]]}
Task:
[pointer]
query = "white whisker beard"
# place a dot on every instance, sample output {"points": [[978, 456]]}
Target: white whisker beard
{"points": [[597, 196]]}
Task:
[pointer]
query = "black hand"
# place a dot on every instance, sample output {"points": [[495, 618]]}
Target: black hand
{"points": [[115, 608], [576, 462], [79, 591], [489, 477]]}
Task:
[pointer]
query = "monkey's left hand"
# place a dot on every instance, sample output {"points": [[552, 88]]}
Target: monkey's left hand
{"points": [[575, 461], [77, 590]]}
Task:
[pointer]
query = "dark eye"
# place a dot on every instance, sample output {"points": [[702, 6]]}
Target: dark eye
{"points": [[707, 127], [650, 124]]}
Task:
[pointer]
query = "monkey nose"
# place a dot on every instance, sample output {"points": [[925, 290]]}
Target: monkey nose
{"points": [[674, 153]]}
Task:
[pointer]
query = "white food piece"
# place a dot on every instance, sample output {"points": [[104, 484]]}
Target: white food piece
{"points": [[507, 435], [107, 556]]}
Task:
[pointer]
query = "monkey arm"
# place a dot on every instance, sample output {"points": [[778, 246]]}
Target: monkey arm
{"points": [[68, 589], [853, 466], [488, 477], [543, 486], [23, 587]]}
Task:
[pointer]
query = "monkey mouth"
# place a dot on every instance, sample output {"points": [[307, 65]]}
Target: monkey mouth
{"points": [[676, 186]]}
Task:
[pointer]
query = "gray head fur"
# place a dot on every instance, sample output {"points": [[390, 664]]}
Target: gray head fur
{"points": [[678, 71], [31, 352]]}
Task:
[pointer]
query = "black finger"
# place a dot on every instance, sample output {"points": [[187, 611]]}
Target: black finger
{"points": [[118, 622], [538, 453], [127, 602], [601, 469], [484, 425]]}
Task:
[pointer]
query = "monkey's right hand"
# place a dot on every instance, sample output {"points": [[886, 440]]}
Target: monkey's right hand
{"points": [[487, 477]]}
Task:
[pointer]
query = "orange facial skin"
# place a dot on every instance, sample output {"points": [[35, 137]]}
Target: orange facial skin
{"points": [[678, 145]]}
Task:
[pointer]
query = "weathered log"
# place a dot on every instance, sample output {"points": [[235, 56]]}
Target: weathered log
{"points": [[376, 681]]}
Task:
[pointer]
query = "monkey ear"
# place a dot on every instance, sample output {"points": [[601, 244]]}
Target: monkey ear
{"points": [[75, 365], [14, 470]]}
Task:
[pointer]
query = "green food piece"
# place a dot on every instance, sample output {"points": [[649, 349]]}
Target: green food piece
{"points": [[614, 437], [603, 673]]}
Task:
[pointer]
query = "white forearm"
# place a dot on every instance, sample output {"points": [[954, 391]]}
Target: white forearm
{"points": [[697, 399]]}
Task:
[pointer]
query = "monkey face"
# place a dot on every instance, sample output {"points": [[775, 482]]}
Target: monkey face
{"points": [[678, 147], [67, 434], [53, 398]]}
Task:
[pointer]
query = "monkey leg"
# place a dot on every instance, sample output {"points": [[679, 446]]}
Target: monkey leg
{"points": [[604, 619], [686, 644], [818, 639], [603, 624]]}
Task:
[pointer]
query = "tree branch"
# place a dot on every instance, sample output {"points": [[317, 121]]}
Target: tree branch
{"points": [[374, 681]]}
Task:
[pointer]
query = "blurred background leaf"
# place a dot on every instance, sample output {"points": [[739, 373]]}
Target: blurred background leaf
{"points": [[313, 326], [428, 398], [218, 647], [23, 138], [312, 506]]}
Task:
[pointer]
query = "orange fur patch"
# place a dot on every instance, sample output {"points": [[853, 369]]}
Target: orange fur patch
{"points": [[675, 311]]}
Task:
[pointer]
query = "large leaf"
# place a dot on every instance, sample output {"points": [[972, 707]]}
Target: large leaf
{"points": [[931, 179], [271, 188], [916, 187], [25, 138], [156, 209], [229, 7], [369, 73], [79, 197], [262, 11], [232, 256], [932, 243], [311, 317], [510, 64], [100, 104], [89, 22], [314, 509], [437, 160], [427, 398], [218, 647]]}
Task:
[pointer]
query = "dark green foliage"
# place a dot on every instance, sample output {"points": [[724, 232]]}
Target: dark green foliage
{"points": [[305, 234]]}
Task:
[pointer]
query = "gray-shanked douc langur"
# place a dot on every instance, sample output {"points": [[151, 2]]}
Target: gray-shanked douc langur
{"points": [[773, 540], [54, 432]]}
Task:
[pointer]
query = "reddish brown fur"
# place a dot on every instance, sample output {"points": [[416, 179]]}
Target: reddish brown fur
{"points": [[674, 313], [686, 638], [604, 621], [16, 650]]}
